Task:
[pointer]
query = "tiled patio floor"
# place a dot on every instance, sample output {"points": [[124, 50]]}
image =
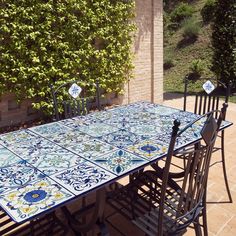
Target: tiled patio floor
{"points": [[221, 214]]}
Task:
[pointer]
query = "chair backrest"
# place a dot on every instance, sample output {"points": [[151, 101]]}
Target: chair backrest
{"points": [[192, 188], [209, 98], [70, 100]]}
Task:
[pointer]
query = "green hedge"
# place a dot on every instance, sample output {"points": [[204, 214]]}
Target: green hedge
{"points": [[46, 42]]}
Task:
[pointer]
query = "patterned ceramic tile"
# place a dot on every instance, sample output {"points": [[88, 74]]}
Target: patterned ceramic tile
{"points": [[145, 129], [55, 161], [83, 177], [119, 162], [25, 202], [35, 147], [98, 129], [161, 110], [76, 122], [16, 136], [50, 130], [122, 138], [92, 148], [18, 175], [7, 157], [149, 149]]}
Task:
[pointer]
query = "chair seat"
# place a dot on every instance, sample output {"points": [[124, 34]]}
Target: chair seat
{"points": [[139, 202]]}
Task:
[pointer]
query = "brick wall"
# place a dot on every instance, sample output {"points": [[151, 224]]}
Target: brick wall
{"points": [[148, 48], [148, 74], [12, 113]]}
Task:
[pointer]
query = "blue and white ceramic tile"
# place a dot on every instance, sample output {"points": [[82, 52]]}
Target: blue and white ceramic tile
{"points": [[145, 129], [35, 147], [98, 129], [7, 157], [50, 130], [119, 161], [55, 161], [16, 136], [149, 149], [83, 178], [76, 122], [18, 175], [122, 138], [70, 138], [92, 148], [26, 202], [161, 110]]}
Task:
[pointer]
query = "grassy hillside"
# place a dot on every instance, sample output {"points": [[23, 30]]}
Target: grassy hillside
{"points": [[182, 54]]}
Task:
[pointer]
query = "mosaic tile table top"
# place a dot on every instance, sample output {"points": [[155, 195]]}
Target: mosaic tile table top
{"points": [[48, 165]]}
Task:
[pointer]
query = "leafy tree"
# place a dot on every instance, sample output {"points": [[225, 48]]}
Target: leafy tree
{"points": [[224, 41], [44, 42]]}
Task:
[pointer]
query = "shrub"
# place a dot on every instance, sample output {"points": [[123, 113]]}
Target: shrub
{"points": [[191, 28], [197, 68], [168, 63], [208, 11], [181, 12], [224, 42], [50, 42]]}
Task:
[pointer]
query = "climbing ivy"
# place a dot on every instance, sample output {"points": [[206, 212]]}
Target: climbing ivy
{"points": [[50, 42]]}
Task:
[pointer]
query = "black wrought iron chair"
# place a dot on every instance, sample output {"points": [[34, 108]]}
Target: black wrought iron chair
{"points": [[205, 102], [70, 99], [160, 205], [48, 225]]}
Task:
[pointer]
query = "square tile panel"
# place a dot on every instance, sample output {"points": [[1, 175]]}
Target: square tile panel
{"points": [[18, 175], [119, 161], [98, 129], [145, 129], [83, 177], [28, 149], [122, 138], [50, 130], [55, 161], [16, 137], [76, 122], [90, 149], [161, 110], [7, 157], [40, 196], [149, 149]]}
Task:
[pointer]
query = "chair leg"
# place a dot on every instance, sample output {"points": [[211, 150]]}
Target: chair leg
{"points": [[197, 228], [204, 216], [224, 167]]}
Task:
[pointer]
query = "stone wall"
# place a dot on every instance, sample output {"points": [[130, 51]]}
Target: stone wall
{"points": [[148, 73]]}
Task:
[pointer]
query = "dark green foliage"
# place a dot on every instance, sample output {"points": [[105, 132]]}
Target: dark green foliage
{"points": [[44, 42], [191, 28], [208, 11], [181, 12], [224, 41]]}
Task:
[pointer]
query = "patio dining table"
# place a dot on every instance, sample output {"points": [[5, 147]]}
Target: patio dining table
{"points": [[45, 167]]}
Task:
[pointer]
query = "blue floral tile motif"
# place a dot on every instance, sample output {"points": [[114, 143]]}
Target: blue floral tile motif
{"points": [[149, 149], [119, 162], [83, 177], [35, 147], [76, 122], [70, 138], [91, 148], [98, 129], [7, 157], [55, 161], [122, 138], [17, 175], [145, 129], [25, 202], [50, 130], [161, 110], [16, 137]]}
